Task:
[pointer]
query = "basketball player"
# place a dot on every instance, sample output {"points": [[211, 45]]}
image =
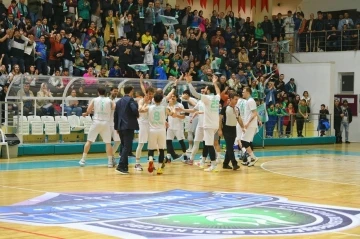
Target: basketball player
{"points": [[175, 129], [114, 134], [102, 107], [189, 103], [211, 117], [250, 125], [144, 104], [197, 112], [157, 133], [241, 105]]}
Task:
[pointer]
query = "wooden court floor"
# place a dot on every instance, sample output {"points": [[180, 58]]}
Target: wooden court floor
{"points": [[309, 176]]}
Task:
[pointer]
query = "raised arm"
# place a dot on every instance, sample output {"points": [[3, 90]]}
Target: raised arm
{"points": [[142, 84], [188, 79]]}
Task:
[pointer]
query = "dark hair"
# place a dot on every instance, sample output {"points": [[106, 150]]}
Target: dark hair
{"points": [[211, 88], [128, 89], [186, 92], [248, 89], [345, 101], [113, 88], [158, 98], [233, 95], [322, 105], [101, 91]]}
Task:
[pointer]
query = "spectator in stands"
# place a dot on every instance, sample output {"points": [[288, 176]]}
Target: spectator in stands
{"points": [[84, 10], [301, 116], [270, 94], [323, 120], [55, 82], [290, 88], [288, 26], [355, 37], [72, 104], [346, 120], [345, 21], [69, 53], [15, 75], [4, 77], [41, 56], [56, 52], [17, 46], [330, 22], [302, 33], [332, 40], [307, 98], [79, 65], [338, 115], [94, 50], [43, 106], [310, 37], [28, 104], [89, 78]]}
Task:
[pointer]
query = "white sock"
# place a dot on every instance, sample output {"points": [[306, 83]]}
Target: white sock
{"points": [[190, 146], [109, 158], [137, 161], [84, 156], [253, 155], [243, 150]]}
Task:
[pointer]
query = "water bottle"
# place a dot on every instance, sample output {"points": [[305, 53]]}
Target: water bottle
{"points": [[77, 138]]}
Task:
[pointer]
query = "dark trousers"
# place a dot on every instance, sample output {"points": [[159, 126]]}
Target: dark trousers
{"points": [[127, 137], [229, 136], [299, 125], [54, 65], [337, 127], [302, 39]]}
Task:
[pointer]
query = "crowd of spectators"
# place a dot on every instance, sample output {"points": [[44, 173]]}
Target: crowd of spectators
{"points": [[91, 39]]}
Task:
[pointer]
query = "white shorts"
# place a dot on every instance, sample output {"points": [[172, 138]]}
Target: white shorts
{"points": [[172, 133], [102, 128], [249, 134], [191, 127], [209, 136], [143, 133], [199, 134], [158, 139], [114, 134], [239, 132]]}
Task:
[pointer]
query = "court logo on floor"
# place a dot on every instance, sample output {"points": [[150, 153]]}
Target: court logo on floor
{"points": [[180, 213]]}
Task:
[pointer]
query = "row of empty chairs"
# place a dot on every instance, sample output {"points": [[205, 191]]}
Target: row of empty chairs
{"points": [[49, 125]]}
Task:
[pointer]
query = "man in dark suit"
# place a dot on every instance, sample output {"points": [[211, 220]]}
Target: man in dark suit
{"points": [[125, 121]]}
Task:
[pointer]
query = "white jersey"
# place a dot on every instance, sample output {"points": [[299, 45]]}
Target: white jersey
{"points": [[200, 107], [162, 103], [211, 111], [176, 123], [241, 104], [143, 116], [193, 100], [102, 109], [157, 117], [249, 107], [112, 112]]}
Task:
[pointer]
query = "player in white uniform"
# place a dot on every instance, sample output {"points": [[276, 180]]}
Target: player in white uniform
{"points": [[176, 128], [143, 124], [102, 107], [114, 134], [157, 133], [189, 103], [197, 112], [241, 106], [250, 125], [211, 117]]}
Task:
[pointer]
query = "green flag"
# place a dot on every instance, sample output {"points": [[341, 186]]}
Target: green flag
{"points": [[139, 67], [261, 109], [168, 21]]}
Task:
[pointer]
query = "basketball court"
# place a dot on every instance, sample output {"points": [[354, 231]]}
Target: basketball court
{"points": [[302, 192]]}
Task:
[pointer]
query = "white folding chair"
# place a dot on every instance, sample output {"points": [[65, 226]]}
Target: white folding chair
{"points": [[3, 142], [47, 118], [74, 122], [64, 127], [32, 118], [37, 128]]}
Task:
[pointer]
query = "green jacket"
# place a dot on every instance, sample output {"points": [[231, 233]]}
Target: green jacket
{"points": [[84, 9]]}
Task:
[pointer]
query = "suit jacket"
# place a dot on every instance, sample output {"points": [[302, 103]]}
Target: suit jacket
{"points": [[126, 114]]}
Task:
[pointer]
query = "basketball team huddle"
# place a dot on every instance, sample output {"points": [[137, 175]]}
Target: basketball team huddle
{"points": [[160, 119]]}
